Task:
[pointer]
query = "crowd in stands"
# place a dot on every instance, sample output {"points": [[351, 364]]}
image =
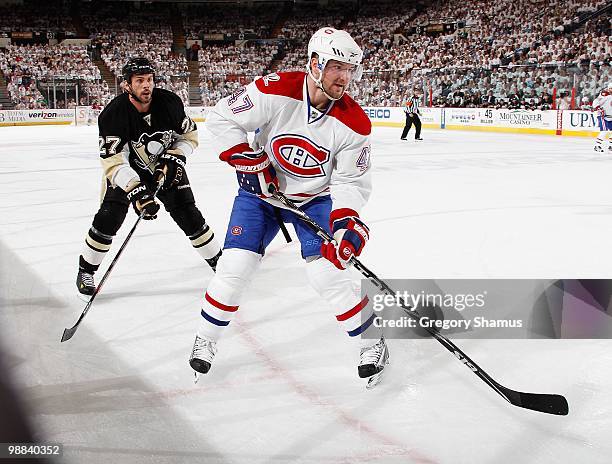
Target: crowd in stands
{"points": [[513, 53], [375, 28], [143, 31], [298, 29], [590, 45], [28, 17], [237, 64], [517, 87], [519, 53], [179, 85], [29, 67], [24, 93], [211, 19], [496, 34]]}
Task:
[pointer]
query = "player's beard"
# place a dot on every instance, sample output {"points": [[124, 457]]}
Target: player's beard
{"points": [[145, 96], [336, 90]]}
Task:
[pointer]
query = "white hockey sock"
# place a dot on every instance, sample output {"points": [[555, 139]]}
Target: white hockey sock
{"points": [[96, 246], [205, 243], [224, 293], [338, 289]]}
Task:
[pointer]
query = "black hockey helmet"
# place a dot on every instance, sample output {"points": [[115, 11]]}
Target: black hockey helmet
{"points": [[138, 65]]}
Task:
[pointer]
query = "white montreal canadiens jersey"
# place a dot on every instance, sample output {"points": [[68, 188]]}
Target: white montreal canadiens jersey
{"points": [[314, 153], [603, 103]]}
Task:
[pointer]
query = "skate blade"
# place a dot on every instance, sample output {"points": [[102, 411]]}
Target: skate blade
{"points": [[84, 298], [196, 377], [375, 379]]}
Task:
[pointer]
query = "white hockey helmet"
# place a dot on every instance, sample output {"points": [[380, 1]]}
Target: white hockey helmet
{"points": [[333, 44]]}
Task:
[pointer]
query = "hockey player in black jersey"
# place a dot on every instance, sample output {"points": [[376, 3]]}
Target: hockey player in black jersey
{"points": [[145, 138]]}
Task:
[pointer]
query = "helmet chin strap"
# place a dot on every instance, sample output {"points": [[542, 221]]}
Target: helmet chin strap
{"points": [[133, 95], [319, 85]]}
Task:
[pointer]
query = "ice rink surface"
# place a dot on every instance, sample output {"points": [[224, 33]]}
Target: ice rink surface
{"points": [[283, 387]]}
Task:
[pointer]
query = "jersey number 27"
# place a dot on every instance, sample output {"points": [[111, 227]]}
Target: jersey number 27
{"points": [[108, 145], [245, 102]]}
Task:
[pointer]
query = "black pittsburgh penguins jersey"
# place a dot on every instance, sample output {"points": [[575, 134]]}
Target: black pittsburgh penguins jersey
{"points": [[128, 137]]}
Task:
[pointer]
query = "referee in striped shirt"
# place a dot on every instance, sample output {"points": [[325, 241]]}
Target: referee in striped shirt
{"points": [[412, 116]]}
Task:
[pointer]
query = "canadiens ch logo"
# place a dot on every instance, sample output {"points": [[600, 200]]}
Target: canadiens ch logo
{"points": [[299, 155], [237, 230]]}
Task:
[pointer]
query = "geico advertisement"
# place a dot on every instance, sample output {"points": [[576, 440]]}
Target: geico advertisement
{"points": [[379, 113]]}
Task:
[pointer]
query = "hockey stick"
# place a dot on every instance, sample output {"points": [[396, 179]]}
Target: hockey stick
{"points": [[68, 333], [547, 403]]}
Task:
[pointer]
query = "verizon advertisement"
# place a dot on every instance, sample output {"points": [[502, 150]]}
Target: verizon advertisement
{"points": [[36, 117]]}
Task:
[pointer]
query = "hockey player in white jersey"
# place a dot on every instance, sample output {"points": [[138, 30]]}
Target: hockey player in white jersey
{"points": [[603, 106], [312, 144]]}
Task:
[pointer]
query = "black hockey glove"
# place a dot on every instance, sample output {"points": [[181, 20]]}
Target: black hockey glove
{"points": [[170, 168], [143, 201]]}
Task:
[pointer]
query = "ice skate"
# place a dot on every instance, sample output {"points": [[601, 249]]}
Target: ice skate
{"points": [[212, 262], [85, 285], [598, 148], [202, 354], [372, 362]]}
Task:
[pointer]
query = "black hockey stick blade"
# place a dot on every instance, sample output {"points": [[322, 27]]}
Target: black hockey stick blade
{"points": [[68, 333], [542, 402]]}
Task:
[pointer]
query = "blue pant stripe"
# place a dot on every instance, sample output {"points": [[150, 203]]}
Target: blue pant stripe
{"points": [[363, 327], [212, 320]]}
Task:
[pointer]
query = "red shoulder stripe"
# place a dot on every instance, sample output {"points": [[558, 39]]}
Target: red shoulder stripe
{"points": [[348, 112], [286, 84]]}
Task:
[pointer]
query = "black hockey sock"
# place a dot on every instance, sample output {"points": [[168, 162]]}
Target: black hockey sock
{"points": [[87, 267]]}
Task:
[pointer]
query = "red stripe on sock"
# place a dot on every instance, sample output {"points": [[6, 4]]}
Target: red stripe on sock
{"points": [[220, 306], [351, 312]]}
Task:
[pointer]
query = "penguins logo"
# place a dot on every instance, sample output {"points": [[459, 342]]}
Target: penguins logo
{"points": [[149, 147], [299, 156]]}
